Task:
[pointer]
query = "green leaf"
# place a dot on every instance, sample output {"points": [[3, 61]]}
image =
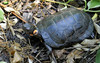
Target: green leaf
{"points": [[5, 3], [2, 62], [69, 1], [93, 4], [98, 56], [1, 15]]}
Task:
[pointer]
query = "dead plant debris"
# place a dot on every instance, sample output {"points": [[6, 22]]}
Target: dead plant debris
{"points": [[16, 46]]}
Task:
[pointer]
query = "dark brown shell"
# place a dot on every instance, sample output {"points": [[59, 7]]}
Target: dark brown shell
{"points": [[64, 27]]}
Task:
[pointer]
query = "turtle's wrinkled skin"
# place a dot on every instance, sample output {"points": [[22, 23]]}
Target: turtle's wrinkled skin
{"points": [[64, 27]]}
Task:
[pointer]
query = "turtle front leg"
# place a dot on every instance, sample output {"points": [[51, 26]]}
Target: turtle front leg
{"points": [[50, 53], [49, 48]]}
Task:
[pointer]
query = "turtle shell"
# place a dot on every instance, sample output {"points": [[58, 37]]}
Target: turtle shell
{"points": [[64, 27]]}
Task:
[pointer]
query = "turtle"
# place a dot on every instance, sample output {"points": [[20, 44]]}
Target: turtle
{"points": [[62, 28]]}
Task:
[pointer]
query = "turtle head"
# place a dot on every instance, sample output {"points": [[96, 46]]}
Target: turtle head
{"points": [[30, 29]]}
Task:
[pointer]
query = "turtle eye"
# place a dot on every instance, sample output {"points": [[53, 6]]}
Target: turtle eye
{"points": [[35, 32]]}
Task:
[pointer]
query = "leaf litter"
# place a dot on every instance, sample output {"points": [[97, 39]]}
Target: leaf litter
{"points": [[19, 47]]}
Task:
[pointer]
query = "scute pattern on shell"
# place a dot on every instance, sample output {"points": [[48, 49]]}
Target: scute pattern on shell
{"points": [[70, 25]]}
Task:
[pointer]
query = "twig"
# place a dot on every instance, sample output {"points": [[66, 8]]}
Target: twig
{"points": [[39, 53], [4, 6], [3, 32], [37, 60]]}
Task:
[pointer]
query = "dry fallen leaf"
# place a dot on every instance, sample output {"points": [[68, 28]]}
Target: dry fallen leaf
{"points": [[96, 48], [30, 59], [12, 23], [90, 41], [75, 54], [20, 36], [78, 46], [16, 46], [4, 24], [37, 19], [87, 43], [36, 2], [9, 9], [59, 53], [19, 6], [17, 57], [81, 47], [97, 27], [70, 58]]}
